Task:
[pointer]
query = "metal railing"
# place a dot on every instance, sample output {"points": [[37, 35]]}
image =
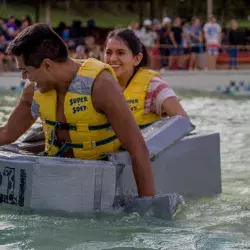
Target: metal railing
{"points": [[165, 56]]}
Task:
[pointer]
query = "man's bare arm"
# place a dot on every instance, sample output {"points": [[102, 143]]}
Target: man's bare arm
{"points": [[20, 119], [108, 98]]}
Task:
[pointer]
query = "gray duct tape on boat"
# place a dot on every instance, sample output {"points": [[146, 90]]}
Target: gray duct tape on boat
{"points": [[159, 206], [34, 134], [56, 184], [188, 165], [166, 133], [71, 186], [192, 166], [15, 179], [159, 137], [74, 185]]}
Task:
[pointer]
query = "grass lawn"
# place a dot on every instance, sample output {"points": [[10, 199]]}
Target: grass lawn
{"points": [[244, 23], [102, 18]]}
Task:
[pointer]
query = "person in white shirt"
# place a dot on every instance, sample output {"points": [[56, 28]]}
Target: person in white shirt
{"points": [[135, 27], [212, 31], [147, 35]]}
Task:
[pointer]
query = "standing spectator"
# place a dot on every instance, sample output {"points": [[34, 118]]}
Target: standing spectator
{"points": [[163, 42], [147, 35], [156, 57], [3, 28], [235, 39], [212, 32], [11, 28], [176, 36], [93, 50], [135, 27], [92, 30], [186, 45], [26, 22], [3, 44], [81, 52], [60, 28], [196, 42], [66, 34], [28, 19], [156, 26], [77, 34]]}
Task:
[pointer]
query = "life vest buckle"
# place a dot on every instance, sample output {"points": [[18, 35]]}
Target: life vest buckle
{"points": [[65, 126], [81, 127], [89, 144], [57, 143], [60, 125]]}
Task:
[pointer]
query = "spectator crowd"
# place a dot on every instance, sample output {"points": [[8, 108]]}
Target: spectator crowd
{"points": [[8, 30], [190, 45], [179, 44]]}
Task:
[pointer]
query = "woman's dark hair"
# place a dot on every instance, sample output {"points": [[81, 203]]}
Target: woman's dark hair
{"points": [[36, 43], [132, 42]]}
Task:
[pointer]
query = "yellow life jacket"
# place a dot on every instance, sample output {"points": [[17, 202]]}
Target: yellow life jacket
{"points": [[135, 95], [90, 132]]}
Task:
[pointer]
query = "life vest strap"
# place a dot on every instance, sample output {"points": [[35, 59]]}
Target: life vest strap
{"points": [[64, 146], [145, 125], [79, 127], [61, 125]]}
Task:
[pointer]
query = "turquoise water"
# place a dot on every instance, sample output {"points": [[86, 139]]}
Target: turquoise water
{"points": [[221, 222]]}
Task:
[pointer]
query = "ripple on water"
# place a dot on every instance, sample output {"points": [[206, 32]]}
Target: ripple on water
{"points": [[221, 222]]}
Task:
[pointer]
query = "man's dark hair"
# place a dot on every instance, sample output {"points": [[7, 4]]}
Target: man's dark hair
{"points": [[36, 43]]}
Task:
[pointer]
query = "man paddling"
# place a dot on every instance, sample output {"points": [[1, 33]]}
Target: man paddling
{"points": [[81, 106]]}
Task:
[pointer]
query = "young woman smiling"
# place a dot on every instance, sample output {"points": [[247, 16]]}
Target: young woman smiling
{"points": [[148, 96]]}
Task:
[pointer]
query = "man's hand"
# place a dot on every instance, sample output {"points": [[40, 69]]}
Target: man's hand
{"points": [[108, 98], [20, 119]]}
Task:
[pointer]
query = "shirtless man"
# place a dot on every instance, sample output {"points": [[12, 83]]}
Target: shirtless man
{"points": [[76, 102]]}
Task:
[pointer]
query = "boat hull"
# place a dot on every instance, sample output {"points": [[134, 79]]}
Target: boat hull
{"points": [[182, 164]]}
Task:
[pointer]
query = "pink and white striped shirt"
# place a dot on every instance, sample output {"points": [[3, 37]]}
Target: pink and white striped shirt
{"points": [[158, 91]]}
